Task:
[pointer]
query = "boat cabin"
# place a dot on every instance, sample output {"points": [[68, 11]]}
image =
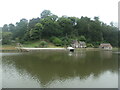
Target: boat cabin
{"points": [[71, 49]]}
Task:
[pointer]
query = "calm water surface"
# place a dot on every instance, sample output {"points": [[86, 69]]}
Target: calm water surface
{"points": [[60, 69]]}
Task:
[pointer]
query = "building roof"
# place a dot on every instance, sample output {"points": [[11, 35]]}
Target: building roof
{"points": [[82, 42], [74, 41]]}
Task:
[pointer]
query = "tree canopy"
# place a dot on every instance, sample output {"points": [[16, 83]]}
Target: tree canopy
{"points": [[63, 28]]}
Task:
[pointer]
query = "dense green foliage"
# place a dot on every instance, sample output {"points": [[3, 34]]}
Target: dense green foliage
{"points": [[6, 36], [64, 29], [57, 41], [0, 29], [43, 44], [82, 38]]}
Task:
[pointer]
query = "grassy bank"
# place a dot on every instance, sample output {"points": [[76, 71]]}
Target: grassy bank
{"points": [[7, 47], [34, 44], [31, 44]]}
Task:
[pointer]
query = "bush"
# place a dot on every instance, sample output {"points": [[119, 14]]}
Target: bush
{"points": [[90, 45], [6, 37], [52, 38], [82, 38], [65, 41], [96, 44], [43, 44], [57, 41]]}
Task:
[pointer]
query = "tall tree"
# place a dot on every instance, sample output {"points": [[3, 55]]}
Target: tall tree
{"points": [[5, 28], [21, 29], [12, 27], [6, 37], [51, 27], [66, 26], [46, 13], [33, 22]]}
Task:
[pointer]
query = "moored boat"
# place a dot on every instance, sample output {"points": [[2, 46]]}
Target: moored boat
{"points": [[71, 49]]}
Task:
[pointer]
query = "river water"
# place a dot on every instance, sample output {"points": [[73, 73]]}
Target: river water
{"points": [[60, 69]]}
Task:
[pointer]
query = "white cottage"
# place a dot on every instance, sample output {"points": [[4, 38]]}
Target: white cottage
{"points": [[76, 44], [82, 44], [106, 46]]}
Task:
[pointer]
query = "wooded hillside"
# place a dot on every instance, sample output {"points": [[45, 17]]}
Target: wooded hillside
{"points": [[61, 30]]}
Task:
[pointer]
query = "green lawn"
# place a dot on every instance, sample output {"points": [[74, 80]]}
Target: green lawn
{"points": [[36, 44]]}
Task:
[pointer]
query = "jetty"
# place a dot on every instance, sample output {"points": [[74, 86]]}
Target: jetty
{"points": [[37, 49], [26, 49]]}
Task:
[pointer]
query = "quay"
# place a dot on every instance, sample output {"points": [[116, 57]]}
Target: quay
{"points": [[35, 49]]}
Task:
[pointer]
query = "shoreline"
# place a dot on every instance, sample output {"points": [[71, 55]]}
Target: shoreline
{"points": [[40, 49], [13, 48]]}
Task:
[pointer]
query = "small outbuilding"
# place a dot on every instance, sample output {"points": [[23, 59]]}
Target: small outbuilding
{"points": [[106, 46], [75, 44], [80, 44]]}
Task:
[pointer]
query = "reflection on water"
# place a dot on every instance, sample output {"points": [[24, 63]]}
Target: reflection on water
{"points": [[10, 54], [61, 69], [78, 54]]}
